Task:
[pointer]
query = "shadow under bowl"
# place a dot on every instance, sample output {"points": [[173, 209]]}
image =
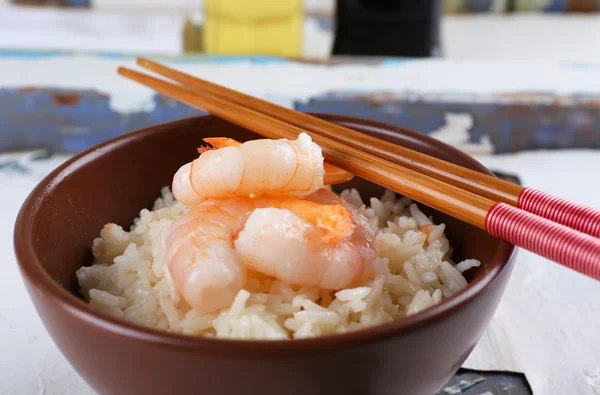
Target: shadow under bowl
{"points": [[113, 181]]}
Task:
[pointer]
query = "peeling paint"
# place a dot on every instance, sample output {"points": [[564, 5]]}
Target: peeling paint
{"points": [[504, 123], [456, 132], [65, 99], [66, 120], [69, 121]]}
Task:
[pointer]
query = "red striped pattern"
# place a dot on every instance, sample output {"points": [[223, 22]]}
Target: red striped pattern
{"points": [[573, 249], [571, 214]]}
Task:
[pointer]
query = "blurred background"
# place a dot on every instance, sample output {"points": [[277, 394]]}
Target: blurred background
{"points": [[488, 76], [456, 29]]}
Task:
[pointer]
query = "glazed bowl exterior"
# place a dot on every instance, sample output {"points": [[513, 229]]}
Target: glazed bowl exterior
{"points": [[112, 182]]}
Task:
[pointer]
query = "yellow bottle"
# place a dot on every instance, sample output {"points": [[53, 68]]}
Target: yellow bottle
{"points": [[254, 27]]}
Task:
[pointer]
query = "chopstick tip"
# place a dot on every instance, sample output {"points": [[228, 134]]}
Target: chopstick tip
{"points": [[126, 72], [142, 61]]}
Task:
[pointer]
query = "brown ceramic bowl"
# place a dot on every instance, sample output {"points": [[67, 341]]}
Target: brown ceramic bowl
{"points": [[113, 181]]}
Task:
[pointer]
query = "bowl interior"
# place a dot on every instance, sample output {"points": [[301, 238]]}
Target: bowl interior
{"points": [[114, 181]]}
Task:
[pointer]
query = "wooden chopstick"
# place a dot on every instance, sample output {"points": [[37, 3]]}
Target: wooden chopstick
{"points": [[565, 212], [559, 243], [457, 202]]}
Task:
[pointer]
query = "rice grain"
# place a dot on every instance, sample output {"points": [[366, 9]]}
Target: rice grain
{"points": [[129, 279]]}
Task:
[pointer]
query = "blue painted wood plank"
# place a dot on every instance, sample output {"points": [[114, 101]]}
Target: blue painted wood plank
{"points": [[73, 120], [525, 124]]}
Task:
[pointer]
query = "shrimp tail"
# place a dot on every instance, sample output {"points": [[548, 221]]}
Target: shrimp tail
{"points": [[335, 175], [216, 143], [222, 142]]}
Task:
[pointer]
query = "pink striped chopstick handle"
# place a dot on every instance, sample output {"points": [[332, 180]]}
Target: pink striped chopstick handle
{"points": [[573, 249], [574, 215]]}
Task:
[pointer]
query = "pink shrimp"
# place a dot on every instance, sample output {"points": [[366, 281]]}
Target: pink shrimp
{"points": [[279, 244], [304, 242], [264, 167]]}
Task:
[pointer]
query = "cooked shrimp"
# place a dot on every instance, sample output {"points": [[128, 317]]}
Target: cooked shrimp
{"points": [[333, 174], [299, 241], [203, 265], [281, 244], [255, 168]]}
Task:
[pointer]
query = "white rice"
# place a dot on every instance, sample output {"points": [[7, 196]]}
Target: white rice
{"points": [[414, 272]]}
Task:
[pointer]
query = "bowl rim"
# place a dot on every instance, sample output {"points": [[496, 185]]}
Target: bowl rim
{"points": [[39, 280]]}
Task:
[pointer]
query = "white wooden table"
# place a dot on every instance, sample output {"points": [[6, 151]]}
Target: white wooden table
{"points": [[548, 323]]}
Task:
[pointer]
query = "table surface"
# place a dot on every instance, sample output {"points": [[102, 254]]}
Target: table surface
{"points": [[548, 322], [546, 326]]}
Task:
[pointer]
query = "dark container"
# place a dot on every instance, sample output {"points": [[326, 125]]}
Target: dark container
{"points": [[396, 28], [112, 182]]}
